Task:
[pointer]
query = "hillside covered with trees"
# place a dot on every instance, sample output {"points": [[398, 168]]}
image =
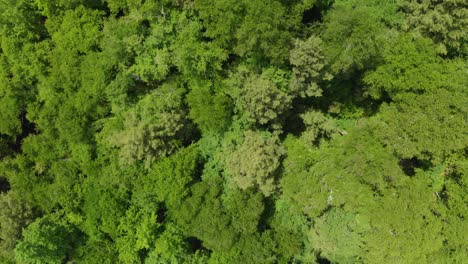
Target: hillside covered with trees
{"points": [[233, 131]]}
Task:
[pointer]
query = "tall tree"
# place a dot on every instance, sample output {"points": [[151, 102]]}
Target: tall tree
{"points": [[254, 162], [443, 21]]}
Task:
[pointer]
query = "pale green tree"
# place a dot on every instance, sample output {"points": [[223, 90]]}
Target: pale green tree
{"points": [[318, 126], [254, 163], [154, 128], [261, 101], [14, 216], [309, 67]]}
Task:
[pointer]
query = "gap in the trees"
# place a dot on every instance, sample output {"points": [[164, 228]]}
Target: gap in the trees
{"points": [[197, 175], [409, 166], [293, 123], [145, 23], [195, 244], [143, 254], [4, 185], [28, 128], [120, 14], [322, 260], [312, 15], [161, 213], [267, 214]]}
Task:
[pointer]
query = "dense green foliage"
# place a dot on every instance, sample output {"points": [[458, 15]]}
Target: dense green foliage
{"points": [[233, 131]]}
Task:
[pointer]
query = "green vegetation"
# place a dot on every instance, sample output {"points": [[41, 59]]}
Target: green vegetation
{"points": [[233, 131]]}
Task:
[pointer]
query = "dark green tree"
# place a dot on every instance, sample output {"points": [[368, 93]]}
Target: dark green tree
{"points": [[443, 21]]}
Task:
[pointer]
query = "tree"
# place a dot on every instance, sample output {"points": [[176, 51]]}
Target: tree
{"points": [[138, 230], [154, 128], [256, 29], [443, 21], [449, 183], [14, 215], [233, 131], [202, 217], [424, 89], [256, 248], [353, 34], [96, 250], [261, 101], [12, 125], [55, 8], [173, 247], [355, 165], [411, 64], [21, 64], [309, 69], [192, 55], [405, 128], [46, 240], [210, 108], [103, 207], [336, 235], [254, 162], [290, 233], [244, 208], [169, 179], [318, 126], [408, 215]]}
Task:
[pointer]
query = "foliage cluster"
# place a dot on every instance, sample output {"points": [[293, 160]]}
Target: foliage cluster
{"points": [[233, 131]]}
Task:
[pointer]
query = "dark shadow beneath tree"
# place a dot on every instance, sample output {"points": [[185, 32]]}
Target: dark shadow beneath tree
{"points": [[161, 213], [315, 14], [267, 214], [293, 123], [312, 15], [4, 185], [195, 244], [322, 260], [28, 128], [409, 166]]}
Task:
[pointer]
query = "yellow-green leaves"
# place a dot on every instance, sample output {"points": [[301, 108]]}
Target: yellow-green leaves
{"points": [[254, 163], [233, 131], [261, 101], [308, 67], [14, 215], [154, 128]]}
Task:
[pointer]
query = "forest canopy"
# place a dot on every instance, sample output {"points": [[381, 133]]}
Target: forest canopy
{"points": [[233, 131]]}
